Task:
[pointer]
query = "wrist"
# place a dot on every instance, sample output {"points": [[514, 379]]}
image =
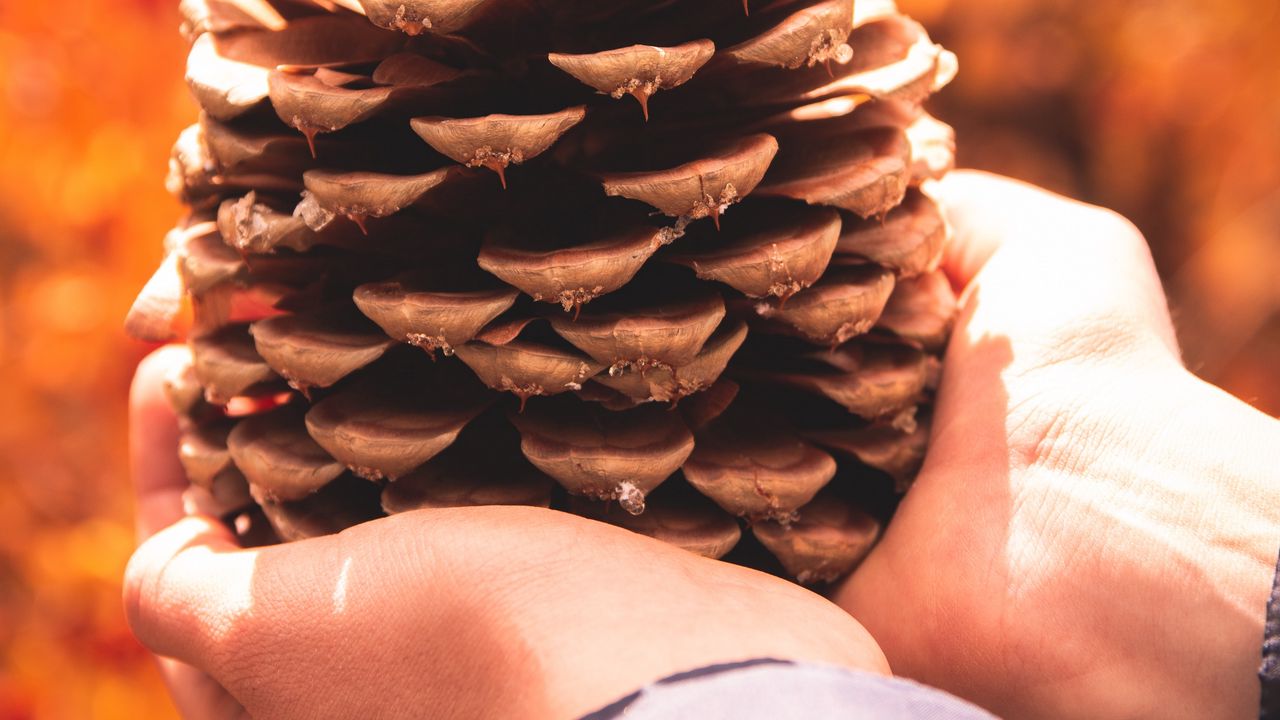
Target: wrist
{"points": [[1230, 448], [1176, 525], [1220, 500]]}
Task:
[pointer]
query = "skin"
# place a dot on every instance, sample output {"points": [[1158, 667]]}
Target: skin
{"points": [[1095, 531], [1093, 535], [486, 612]]}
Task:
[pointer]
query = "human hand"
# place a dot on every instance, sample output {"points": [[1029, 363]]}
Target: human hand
{"points": [[486, 612], [1094, 533]]}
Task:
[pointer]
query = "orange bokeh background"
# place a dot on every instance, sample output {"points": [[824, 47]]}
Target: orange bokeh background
{"points": [[1167, 111]]}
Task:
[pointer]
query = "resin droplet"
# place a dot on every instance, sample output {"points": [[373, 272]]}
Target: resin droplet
{"points": [[630, 498]]}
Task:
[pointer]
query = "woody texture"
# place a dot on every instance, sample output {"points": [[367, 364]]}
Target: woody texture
{"points": [[666, 264]]}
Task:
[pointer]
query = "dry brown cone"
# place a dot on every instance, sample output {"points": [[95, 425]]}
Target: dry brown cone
{"points": [[560, 253]]}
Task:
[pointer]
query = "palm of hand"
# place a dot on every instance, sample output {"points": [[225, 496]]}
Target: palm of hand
{"points": [[477, 612], [1038, 564]]}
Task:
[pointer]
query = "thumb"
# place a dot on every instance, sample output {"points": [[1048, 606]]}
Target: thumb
{"points": [[186, 588], [158, 478], [1054, 276]]}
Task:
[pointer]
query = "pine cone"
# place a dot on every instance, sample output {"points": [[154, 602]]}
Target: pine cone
{"points": [[662, 263]]}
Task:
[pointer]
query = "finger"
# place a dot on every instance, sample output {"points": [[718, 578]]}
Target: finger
{"points": [[158, 478], [159, 481], [1042, 267], [186, 590], [983, 210], [196, 695]]}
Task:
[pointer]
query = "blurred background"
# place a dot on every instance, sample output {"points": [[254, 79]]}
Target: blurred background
{"points": [[1166, 110]]}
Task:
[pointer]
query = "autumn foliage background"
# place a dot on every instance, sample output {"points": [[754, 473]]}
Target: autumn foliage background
{"points": [[1166, 110]]}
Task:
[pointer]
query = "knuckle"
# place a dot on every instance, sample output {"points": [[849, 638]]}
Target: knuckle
{"points": [[1114, 225], [1091, 223], [1119, 235], [168, 606], [143, 599]]}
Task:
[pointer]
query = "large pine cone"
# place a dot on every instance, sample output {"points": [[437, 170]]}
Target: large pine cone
{"points": [[438, 255]]}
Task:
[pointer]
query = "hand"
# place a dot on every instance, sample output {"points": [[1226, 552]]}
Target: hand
{"points": [[1094, 533], [486, 612]]}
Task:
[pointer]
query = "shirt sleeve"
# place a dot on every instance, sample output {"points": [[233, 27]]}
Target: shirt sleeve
{"points": [[779, 690], [1269, 672]]}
